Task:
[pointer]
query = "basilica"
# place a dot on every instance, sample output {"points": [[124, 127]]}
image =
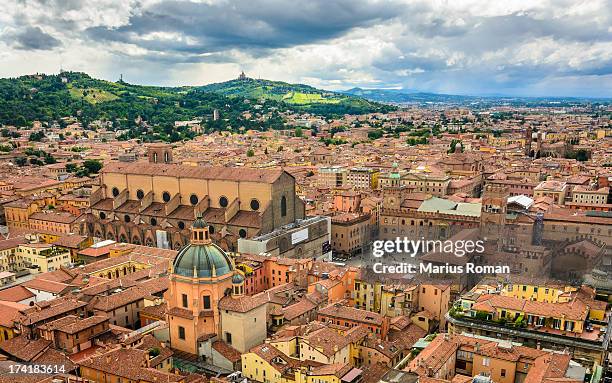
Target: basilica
{"points": [[155, 203]]}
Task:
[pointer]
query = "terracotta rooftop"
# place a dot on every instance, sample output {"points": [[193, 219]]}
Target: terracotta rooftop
{"points": [[184, 171]]}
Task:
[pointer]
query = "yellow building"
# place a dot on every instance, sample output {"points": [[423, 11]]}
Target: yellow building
{"points": [[41, 257], [9, 313], [547, 316], [267, 364], [8, 251], [17, 213]]}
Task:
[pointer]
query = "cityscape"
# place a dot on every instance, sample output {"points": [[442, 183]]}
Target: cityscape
{"points": [[327, 192]]}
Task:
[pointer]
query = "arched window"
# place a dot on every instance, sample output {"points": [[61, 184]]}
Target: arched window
{"points": [[211, 229], [193, 199], [166, 196], [166, 157], [153, 221], [242, 233], [254, 204], [139, 194], [115, 192], [155, 157], [223, 202], [181, 225], [102, 215], [283, 206]]}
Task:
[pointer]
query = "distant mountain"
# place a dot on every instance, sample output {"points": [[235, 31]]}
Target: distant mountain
{"points": [[299, 96], [402, 96]]}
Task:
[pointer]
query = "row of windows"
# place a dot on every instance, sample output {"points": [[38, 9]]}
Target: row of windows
{"points": [[205, 301], [223, 201], [193, 199]]}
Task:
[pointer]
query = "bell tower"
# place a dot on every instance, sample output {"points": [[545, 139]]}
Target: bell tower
{"points": [[493, 211], [160, 153]]}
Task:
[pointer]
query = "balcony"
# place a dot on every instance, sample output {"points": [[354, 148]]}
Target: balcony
{"points": [[586, 340]]}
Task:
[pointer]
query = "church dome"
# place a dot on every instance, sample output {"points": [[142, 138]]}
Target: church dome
{"points": [[237, 279], [202, 261]]}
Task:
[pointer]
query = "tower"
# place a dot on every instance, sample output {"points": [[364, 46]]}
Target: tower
{"points": [[393, 196], [160, 153], [538, 229], [538, 151], [493, 210], [528, 140]]}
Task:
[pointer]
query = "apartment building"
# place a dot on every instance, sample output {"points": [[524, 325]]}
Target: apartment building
{"points": [[41, 257], [332, 177], [584, 195], [363, 178], [350, 232], [537, 315], [341, 315], [557, 190], [468, 358]]}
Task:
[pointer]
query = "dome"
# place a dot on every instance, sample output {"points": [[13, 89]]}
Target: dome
{"points": [[208, 260], [237, 279]]}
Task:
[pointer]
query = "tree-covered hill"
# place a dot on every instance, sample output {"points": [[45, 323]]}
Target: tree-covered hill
{"points": [[298, 96], [48, 98]]}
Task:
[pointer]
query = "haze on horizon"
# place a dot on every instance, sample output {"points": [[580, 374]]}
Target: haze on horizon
{"points": [[522, 47]]}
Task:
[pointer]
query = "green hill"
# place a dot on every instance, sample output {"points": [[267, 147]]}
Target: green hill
{"points": [[298, 96], [49, 98]]}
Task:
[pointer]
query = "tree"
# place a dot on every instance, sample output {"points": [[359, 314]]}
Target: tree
{"points": [[298, 132], [375, 134], [250, 153], [453, 146], [37, 136], [71, 168], [92, 166], [49, 159]]}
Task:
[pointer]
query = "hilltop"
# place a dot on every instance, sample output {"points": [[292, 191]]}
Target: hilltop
{"points": [[300, 96]]}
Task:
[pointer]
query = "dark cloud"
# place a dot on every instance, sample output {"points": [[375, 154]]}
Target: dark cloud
{"points": [[256, 26], [33, 38]]}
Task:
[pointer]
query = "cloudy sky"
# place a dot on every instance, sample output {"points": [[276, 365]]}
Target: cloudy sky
{"points": [[516, 47]]}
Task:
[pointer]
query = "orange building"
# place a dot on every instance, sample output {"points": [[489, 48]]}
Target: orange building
{"points": [[350, 317], [200, 276]]}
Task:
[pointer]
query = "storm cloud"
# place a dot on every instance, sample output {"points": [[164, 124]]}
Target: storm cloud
{"points": [[33, 38]]}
